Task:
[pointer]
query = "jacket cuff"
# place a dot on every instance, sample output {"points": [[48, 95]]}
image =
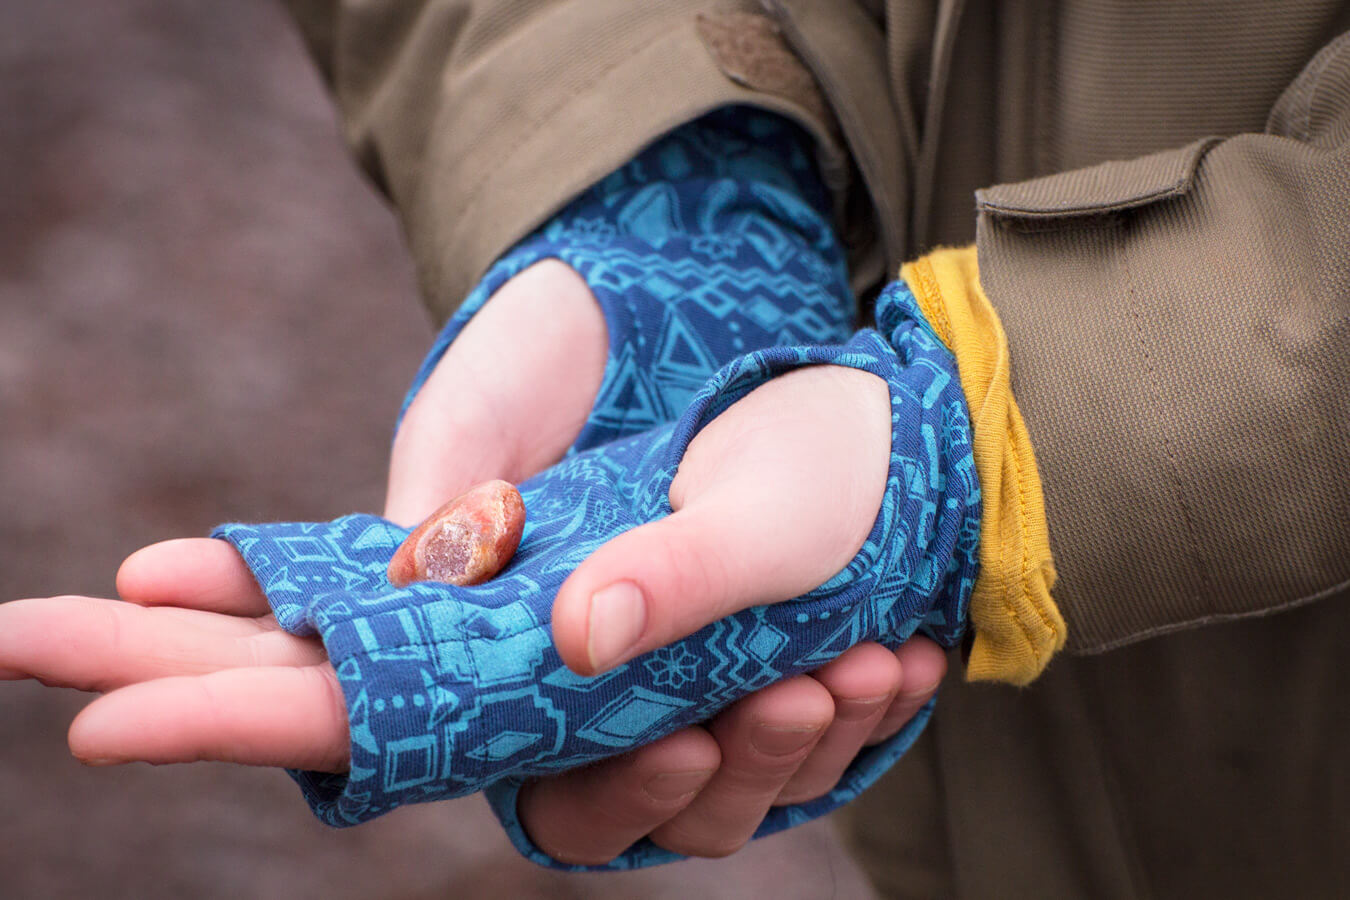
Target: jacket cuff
{"points": [[713, 242], [477, 201], [1017, 626]]}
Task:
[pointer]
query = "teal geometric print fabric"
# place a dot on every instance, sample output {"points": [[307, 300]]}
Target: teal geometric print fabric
{"points": [[453, 690], [713, 242]]}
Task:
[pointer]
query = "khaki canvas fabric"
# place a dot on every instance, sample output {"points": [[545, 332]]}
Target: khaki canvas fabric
{"points": [[1160, 193]]}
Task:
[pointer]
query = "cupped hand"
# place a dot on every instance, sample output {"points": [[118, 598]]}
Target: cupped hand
{"points": [[701, 791], [197, 668]]}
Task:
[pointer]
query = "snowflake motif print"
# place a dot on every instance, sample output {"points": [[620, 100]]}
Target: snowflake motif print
{"points": [[672, 666]]}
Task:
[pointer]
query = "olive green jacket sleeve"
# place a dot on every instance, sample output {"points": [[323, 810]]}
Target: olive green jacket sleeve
{"points": [[1180, 334], [480, 119]]}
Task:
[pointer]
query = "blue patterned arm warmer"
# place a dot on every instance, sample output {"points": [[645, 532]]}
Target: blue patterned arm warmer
{"points": [[715, 241], [454, 690]]}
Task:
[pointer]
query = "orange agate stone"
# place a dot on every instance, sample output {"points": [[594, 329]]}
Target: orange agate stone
{"points": [[466, 541]]}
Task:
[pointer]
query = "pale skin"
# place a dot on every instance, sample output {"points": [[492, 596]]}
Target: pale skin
{"points": [[192, 666]]}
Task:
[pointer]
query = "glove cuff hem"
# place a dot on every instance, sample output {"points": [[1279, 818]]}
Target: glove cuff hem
{"points": [[1017, 626]]}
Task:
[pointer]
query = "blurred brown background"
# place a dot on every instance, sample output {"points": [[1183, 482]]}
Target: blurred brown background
{"points": [[205, 315]]}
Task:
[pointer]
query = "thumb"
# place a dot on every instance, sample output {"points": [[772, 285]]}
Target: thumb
{"points": [[509, 396], [772, 499]]}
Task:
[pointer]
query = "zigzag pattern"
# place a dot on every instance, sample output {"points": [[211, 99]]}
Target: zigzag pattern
{"points": [[454, 690]]}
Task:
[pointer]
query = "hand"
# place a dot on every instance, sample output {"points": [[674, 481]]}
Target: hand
{"points": [[699, 791], [194, 664], [180, 714], [194, 667]]}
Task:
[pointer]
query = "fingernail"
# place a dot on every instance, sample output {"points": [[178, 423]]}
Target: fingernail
{"points": [[676, 785], [773, 741], [617, 616]]}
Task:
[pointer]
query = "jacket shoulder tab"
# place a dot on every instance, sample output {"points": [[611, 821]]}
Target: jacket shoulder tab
{"points": [[1096, 190]]}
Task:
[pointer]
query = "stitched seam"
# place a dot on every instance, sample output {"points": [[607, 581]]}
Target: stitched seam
{"points": [[1151, 373], [1022, 526], [1213, 618], [1081, 208], [1009, 596], [930, 301], [1084, 209], [1035, 217], [1025, 489], [1312, 93]]}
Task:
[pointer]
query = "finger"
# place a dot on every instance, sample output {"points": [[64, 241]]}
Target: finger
{"points": [[763, 739], [862, 682], [97, 645], [258, 717], [508, 397], [199, 573], [748, 528], [924, 664], [589, 816]]}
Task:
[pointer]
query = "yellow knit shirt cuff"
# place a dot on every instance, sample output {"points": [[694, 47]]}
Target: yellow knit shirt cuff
{"points": [[1016, 623]]}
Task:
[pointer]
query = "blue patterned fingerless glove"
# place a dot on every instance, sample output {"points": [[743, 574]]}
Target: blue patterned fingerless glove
{"points": [[454, 690], [714, 241]]}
